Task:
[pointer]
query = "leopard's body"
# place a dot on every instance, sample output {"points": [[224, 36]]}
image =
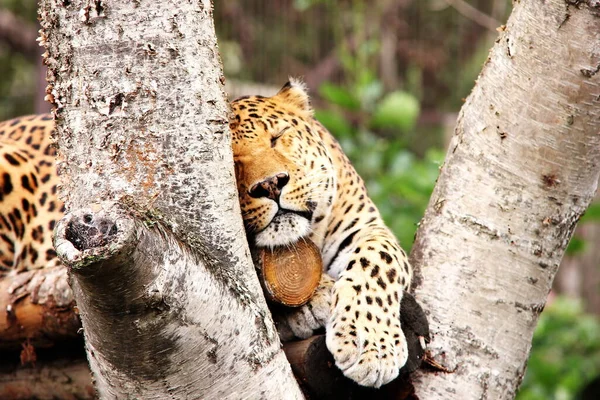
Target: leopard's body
{"points": [[29, 206], [294, 181]]}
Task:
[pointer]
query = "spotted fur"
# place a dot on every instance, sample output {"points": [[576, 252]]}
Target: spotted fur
{"points": [[294, 181], [29, 207]]}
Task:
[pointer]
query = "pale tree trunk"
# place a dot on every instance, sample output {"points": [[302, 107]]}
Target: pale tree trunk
{"points": [[169, 301], [521, 169]]}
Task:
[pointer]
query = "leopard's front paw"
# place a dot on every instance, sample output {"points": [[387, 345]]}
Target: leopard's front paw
{"points": [[369, 348], [302, 322]]}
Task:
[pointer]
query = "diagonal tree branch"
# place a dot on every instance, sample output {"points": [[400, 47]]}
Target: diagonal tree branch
{"points": [[472, 13], [521, 169]]}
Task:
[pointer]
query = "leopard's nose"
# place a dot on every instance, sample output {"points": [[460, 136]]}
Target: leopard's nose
{"points": [[270, 187]]}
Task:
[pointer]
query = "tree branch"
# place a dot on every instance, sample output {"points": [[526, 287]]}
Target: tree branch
{"points": [[521, 169], [470, 12], [142, 290], [36, 306]]}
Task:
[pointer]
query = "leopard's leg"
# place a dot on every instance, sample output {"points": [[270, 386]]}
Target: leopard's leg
{"points": [[364, 333]]}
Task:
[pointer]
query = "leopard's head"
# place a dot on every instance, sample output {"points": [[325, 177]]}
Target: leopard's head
{"points": [[285, 175]]}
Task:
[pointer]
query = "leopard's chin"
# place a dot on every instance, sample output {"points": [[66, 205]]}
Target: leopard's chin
{"points": [[284, 229]]}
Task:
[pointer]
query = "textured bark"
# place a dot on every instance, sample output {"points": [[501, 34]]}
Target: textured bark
{"points": [[521, 169], [169, 301], [38, 307]]}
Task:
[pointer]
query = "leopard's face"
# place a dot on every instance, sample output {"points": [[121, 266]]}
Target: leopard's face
{"points": [[284, 171]]}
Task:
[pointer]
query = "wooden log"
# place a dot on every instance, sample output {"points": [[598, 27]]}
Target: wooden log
{"points": [[290, 274], [319, 378], [61, 379], [38, 307]]}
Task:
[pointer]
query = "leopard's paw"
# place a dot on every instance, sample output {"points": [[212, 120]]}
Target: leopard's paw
{"points": [[368, 349], [302, 322]]}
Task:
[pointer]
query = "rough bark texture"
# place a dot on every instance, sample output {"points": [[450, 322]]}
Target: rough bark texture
{"points": [[170, 304], [38, 307], [521, 169]]}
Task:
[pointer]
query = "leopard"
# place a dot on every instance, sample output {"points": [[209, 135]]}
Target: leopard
{"points": [[29, 204], [294, 183]]}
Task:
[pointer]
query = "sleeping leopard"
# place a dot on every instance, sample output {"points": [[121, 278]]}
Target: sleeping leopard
{"points": [[294, 181]]}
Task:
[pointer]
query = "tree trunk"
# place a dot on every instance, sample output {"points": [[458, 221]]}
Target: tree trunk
{"points": [[161, 272], [521, 169]]}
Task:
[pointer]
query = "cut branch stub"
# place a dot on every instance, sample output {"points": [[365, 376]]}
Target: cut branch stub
{"points": [[140, 288], [85, 237], [290, 275]]}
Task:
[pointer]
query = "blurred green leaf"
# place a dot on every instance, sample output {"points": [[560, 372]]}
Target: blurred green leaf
{"points": [[592, 213], [576, 246], [334, 122], [303, 5], [369, 92], [340, 96], [565, 353], [397, 110]]}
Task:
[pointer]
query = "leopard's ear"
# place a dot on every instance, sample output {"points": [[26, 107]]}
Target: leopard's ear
{"points": [[295, 92], [234, 120]]}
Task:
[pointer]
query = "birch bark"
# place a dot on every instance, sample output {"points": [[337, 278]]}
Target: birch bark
{"points": [[169, 301], [521, 169]]}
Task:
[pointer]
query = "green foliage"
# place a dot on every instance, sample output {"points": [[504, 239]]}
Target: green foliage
{"points": [[398, 110], [303, 5], [18, 73], [577, 245], [565, 353], [18, 88], [24, 8], [340, 96], [592, 213]]}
